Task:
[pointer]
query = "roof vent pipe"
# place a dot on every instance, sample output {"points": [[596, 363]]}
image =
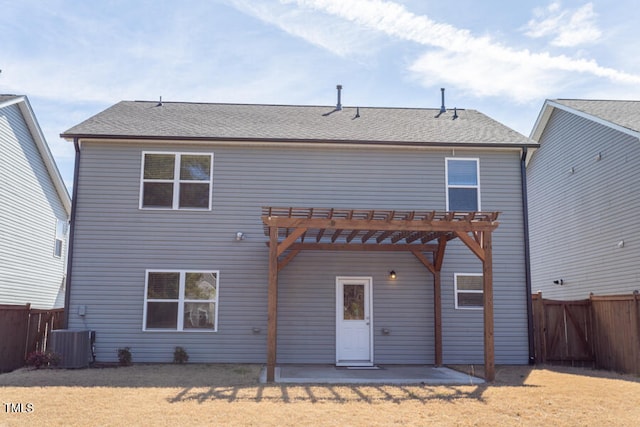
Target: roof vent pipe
{"points": [[442, 108], [339, 105]]}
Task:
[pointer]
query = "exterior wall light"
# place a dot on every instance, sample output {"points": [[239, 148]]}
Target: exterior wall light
{"points": [[559, 282], [240, 236], [392, 275]]}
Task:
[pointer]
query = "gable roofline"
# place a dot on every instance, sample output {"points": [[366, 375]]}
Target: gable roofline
{"points": [[548, 107], [34, 128], [301, 124]]}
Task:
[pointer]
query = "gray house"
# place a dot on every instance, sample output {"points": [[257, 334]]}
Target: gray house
{"points": [[299, 234], [35, 209], [583, 202]]}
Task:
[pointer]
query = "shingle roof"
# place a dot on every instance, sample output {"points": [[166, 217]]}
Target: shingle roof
{"points": [[621, 113], [179, 120]]}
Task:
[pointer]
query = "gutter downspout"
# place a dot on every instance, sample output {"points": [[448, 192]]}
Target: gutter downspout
{"points": [[72, 228], [527, 255]]}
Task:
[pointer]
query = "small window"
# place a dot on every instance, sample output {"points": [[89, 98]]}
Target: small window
{"points": [[463, 185], [61, 233], [468, 291], [181, 301], [176, 181]]}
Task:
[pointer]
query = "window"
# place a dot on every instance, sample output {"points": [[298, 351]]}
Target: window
{"points": [[176, 180], [61, 232], [468, 291], [181, 301], [463, 185]]}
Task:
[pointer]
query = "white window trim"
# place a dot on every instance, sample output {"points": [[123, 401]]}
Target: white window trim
{"points": [[59, 237], [176, 181], [446, 177], [455, 291], [181, 300]]}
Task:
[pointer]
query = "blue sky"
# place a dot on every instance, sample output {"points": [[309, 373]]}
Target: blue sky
{"points": [[75, 58]]}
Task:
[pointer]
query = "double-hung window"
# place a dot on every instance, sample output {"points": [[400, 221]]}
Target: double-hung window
{"points": [[468, 290], [181, 300], [176, 180], [463, 184]]}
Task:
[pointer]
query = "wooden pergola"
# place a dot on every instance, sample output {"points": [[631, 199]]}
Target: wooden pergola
{"points": [[291, 230]]}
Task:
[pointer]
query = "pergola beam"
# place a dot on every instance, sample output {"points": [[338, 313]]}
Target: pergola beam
{"points": [[358, 247], [393, 225], [284, 245], [471, 244]]}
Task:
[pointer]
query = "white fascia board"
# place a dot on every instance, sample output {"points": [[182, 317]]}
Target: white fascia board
{"points": [[545, 115], [552, 104], [45, 153]]}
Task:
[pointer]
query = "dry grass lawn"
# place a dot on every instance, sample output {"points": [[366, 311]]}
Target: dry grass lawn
{"points": [[229, 395]]}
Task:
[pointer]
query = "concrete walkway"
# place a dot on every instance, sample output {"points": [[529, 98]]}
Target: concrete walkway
{"points": [[388, 374]]}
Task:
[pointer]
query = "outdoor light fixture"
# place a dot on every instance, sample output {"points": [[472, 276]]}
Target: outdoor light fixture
{"points": [[392, 275], [240, 236], [559, 282]]}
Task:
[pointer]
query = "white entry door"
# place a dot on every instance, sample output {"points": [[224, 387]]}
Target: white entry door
{"points": [[354, 337]]}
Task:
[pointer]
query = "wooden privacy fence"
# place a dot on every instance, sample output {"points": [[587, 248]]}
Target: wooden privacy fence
{"points": [[24, 329], [602, 331]]}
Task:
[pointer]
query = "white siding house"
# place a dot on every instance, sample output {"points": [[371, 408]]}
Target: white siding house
{"points": [[584, 201], [34, 211]]}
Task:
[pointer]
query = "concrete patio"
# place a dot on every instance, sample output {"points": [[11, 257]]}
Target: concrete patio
{"points": [[387, 374]]}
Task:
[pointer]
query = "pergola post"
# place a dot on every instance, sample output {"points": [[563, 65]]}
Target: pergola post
{"points": [[272, 304], [438, 260], [437, 317], [487, 296]]}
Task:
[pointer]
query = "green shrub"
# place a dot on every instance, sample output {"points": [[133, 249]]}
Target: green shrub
{"points": [[180, 355], [124, 356], [41, 359]]}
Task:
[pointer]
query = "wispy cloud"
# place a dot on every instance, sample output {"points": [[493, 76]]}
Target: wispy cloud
{"points": [[568, 28], [320, 29], [479, 65]]}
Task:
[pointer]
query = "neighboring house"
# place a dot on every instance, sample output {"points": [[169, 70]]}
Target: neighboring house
{"points": [[244, 231], [35, 209], [584, 202]]}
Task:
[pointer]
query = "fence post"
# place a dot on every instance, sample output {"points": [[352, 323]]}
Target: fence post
{"points": [[542, 333], [595, 333], [636, 314], [26, 343]]}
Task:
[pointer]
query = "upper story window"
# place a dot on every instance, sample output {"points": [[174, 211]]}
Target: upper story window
{"points": [[61, 233], [468, 289], [463, 184], [176, 180]]}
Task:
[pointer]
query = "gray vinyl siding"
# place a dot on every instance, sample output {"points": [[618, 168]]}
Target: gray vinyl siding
{"points": [[116, 242], [578, 219], [29, 208]]}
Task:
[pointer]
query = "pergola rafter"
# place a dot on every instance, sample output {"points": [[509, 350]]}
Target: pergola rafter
{"points": [[292, 230]]}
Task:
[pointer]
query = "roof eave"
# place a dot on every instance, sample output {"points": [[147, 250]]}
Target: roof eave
{"points": [[71, 137]]}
